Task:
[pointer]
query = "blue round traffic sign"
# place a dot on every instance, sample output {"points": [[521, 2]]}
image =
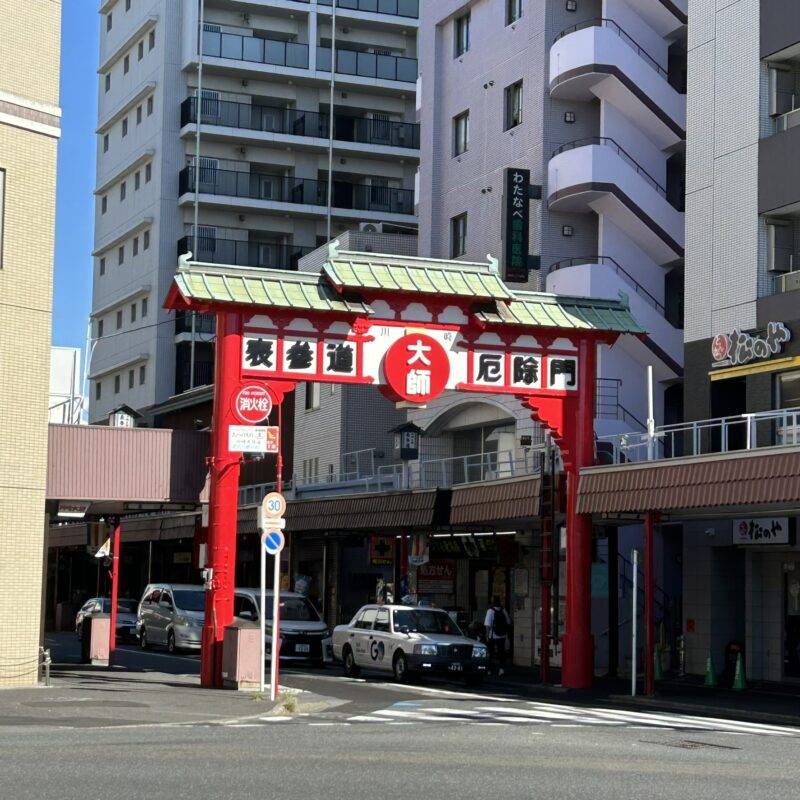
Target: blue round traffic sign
{"points": [[273, 542]]}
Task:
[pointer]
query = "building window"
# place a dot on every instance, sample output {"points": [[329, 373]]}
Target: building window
{"points": [[513, 105], [136, 245], [109, 22], [131, 376], [513, 10], [312, 396], [137, 181], [461, 133], [121, 255], [103, 204], [138, 115], [140, 50], [148, 172], [116, 384], [151, 40], [133, 313], [105, 143], [98, 390], [144, 307], [124, 127], [122, 191], [119, 319], [99, 328], [462, 35], [126, 65], [103, 266], [149, 106], [127, 5], [142, 375], [108, 81], [146, 240], [458, 236]]}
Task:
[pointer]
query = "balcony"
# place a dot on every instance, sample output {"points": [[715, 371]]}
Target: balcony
{"points": [[280, 194], [255, 49], [267, 255], [601, 276], [598, 58], [598, 175], [408, 9], [292, 122], [369, 65]]}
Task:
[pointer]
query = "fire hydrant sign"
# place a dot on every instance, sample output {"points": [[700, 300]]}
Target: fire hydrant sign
{"points": [[252, 404]]}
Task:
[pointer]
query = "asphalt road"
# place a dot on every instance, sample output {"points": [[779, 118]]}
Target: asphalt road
{"points": [[420, 741]]}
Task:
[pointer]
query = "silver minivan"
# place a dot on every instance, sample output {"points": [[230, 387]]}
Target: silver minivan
{"points": [[304, 635], [171, 615]]}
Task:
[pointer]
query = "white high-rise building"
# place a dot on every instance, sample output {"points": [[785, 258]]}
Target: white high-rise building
{"points": [[263, 169]]}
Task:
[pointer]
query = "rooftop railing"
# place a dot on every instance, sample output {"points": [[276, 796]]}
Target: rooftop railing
{"points": [[268, 255]]}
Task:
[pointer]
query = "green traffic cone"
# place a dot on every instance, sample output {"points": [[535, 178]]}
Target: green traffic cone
{"points": [[711, 675], [658, 672], [739, 682]]}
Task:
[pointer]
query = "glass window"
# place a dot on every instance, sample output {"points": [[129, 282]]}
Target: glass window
{"points": [[103, 204], [382, 620], [789, 389], [98, 390], [127, 5], [154, 596], [138, 115], [99, 328], [462, 35], [149, 106], [136, 245], [124, 127], [103, 266], [126, 65], [137, 181], [244, 608], [190, 599], [148, 172], [130, 378], [122, 191], [108, 81], [151, 40], [144, 307], [294, 609], [121, 255], [461, 133], [426, 621], [146, 240], [109, 21], [116, 384], [105, 143], [513, 105], [140, 51], [312, 396], [119, 319], [142, 375], [367, 619], [458, 236], [133, 312], [513, 10]]}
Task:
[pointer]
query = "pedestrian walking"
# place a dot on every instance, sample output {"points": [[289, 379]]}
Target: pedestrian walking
{"points": [[498, 626]]}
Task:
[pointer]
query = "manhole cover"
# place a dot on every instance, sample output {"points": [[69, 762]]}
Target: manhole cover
{"points": [[690, 744]]}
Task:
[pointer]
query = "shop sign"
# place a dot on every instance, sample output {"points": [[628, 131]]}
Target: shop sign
{"points": [[253, 439], [437, 577], [466, 546], [420, 551], [738, 348], [517, 214], [763, 530], [381, 551]]}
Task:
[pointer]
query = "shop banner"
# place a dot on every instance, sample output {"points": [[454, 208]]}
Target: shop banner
{"points": [[420, 550], [381, 551], [437, 577], [761, 530]]}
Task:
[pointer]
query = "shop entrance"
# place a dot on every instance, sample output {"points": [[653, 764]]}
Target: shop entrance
{"points": [[791, 594]]}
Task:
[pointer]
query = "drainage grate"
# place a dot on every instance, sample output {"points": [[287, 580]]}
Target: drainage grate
{"points": [[690, 744]]}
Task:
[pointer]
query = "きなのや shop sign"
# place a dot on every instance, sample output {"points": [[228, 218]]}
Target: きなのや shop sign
{"points": [[738, 348], [764, 530]]}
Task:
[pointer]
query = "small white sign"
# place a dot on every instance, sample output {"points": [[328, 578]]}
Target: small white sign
{"points": [[247, 438], [761, 530], [72, 509]]}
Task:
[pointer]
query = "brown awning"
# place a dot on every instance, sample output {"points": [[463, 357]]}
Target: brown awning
{"points": [[496, 502], [136, 529], [714, 481], [365, 512]]}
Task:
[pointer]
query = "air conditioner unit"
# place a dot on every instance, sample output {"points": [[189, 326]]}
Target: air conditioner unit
{"points": [[371, 227]]}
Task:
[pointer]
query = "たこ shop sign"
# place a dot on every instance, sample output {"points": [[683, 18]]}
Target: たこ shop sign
{"points": [[738, 348], [763, 530]]}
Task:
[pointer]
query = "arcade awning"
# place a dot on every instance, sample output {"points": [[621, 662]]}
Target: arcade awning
{"points": [[496, 501]]}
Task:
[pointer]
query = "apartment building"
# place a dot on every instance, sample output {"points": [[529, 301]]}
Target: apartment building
{"points": [[742, 336], [588, 96], [261, 180], [30, 122]]}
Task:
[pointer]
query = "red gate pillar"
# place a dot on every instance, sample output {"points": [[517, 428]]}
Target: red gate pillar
{"points": [[112, 630], [223, 500], [577, 670]]}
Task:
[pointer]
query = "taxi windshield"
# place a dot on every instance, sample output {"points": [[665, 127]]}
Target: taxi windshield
{"points": [[426, 621]]}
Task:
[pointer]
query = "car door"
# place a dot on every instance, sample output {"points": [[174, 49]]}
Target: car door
{"points": [[380, 641], [165, 614], [362, 640]]}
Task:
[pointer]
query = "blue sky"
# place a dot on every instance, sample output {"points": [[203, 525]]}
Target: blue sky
{"points": [[76, 171]]}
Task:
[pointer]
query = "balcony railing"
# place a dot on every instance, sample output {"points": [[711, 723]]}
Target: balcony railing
{"points": [[780, 428], [229, 114], [368, 65], [600, 22], [608, 406], [269, 255], [787, 282], [397, 8], [621, 271], [256, 49], [257, 186], [203, 323]]}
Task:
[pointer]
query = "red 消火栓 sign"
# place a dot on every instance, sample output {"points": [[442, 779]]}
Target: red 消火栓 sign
{"points": [[252, 404]]}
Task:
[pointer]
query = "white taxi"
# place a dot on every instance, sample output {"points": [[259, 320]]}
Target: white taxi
{"points": [[408, 640]]}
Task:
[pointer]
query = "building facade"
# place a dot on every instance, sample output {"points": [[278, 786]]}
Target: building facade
{"points": [[30, 121], [262, 178], [742, 348]]}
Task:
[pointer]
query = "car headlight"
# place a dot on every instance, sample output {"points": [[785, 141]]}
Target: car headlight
{"points": [[425, 649], [181, 621], [326, 634], [480, 651]]}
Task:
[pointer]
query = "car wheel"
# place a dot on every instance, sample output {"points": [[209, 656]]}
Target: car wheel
{"points": [[351, 669], [171, 648], [143, 643], [400, 668]]}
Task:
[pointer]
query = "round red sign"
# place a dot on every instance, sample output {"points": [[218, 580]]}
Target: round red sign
{"points": [[720, 347], [252, 404], [417, 368]]}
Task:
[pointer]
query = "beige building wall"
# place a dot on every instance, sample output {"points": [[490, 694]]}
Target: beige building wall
{"points": [[29, 130]]}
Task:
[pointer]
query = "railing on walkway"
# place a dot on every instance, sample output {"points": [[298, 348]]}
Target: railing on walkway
{"points": [[12, 669], [779, 428]]}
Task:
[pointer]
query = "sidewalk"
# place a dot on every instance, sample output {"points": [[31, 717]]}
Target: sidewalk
{"points": [[778, 704]]}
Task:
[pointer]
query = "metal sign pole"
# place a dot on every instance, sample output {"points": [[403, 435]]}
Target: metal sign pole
{"points": [[635, 621], [276, 626], [263, 612]]}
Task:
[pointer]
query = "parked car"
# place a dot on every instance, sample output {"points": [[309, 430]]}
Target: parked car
{"points": [[407, 641], [304, 635], [126, 615], [171, 614]]}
